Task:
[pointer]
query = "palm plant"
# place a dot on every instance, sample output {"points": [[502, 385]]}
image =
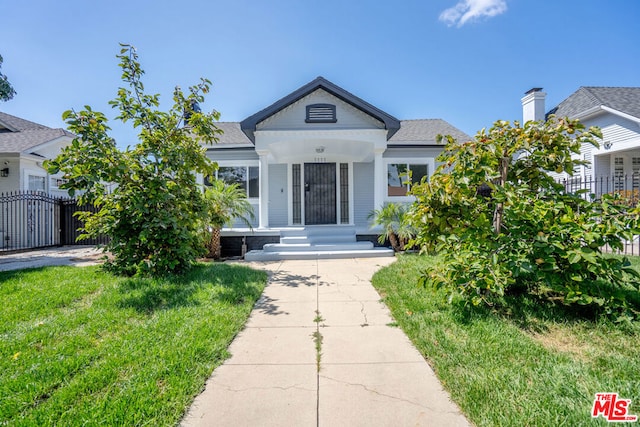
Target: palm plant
{"points": [[225, 203], [394, 220]]}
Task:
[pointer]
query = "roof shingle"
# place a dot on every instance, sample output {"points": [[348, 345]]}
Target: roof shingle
{"points": [[21, 135], [425, 131], [623, 99]]}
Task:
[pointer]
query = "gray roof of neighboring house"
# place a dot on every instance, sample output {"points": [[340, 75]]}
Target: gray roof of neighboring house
{"points": [[425, 131], [623, 99], [18, 135], [16, 124], [411, 132]]}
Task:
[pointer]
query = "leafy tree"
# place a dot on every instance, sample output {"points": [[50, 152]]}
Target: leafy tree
{"points": [[394, 220], [530, 234], [225, 202], [6, 90], [154, 214]]}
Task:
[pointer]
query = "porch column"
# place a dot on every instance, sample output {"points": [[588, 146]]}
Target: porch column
{"points": [[263, 211], [378, 179]]}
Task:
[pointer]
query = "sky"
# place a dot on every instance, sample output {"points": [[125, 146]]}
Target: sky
{"points": [[468, 62]]}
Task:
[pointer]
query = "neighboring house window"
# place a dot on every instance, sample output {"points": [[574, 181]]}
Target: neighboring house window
{"points": [[401, 175], [36, 183], [635, 177], [247, 178], [618, 173], [321, 113], [57, 182]]}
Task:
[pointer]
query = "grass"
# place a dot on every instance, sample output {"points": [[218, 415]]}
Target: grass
{"points": [[525, 365], [81, 347]]}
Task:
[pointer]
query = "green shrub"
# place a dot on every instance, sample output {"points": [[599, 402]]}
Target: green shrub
{"points": [[529, 234]]}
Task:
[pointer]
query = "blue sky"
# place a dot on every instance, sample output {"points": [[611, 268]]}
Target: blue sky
{"points": [[468, 62]]}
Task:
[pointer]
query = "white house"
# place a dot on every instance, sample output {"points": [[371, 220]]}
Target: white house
{"points": [[24, 145], [316, 163], [616, 111]]}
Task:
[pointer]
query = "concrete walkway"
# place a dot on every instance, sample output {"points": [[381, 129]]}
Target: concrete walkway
{"points": [[369, 372]]}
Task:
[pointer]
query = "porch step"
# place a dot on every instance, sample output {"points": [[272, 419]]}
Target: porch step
{"points": [[258, 255], [317, 247], [331, 238], [317, 242]]}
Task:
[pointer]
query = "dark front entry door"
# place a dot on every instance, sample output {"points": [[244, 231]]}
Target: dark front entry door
{"points": [[319, 193]]}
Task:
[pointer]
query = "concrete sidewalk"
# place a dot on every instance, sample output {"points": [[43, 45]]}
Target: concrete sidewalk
{"points": [[369, 372]]}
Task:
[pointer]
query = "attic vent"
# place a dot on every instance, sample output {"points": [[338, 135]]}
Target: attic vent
{"points": [[321, 113]]}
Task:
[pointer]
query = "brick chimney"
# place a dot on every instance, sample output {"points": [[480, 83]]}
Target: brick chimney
{"points": [[533, 105]]}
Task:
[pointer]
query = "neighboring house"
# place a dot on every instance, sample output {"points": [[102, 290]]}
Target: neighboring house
{"points": [[321, 156], [616, 111], [24, 145]]}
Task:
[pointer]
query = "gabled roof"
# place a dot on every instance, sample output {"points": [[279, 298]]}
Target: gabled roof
{"points": [[19, 135], [248, 125], [425, 131], [622, 99]]}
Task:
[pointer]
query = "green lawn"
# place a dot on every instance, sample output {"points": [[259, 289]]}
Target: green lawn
{"points": [[525, 365], [81, 347]]}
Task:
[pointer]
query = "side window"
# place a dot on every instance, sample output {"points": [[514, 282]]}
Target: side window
{"points": [[247, 178], [401, 175]]}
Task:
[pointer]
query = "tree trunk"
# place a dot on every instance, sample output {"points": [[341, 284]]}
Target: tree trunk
{"points": [[394, 242], [215, 248], [497, 216]]}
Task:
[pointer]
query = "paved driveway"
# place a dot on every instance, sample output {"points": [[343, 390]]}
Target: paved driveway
{"points": [[65, 255]]}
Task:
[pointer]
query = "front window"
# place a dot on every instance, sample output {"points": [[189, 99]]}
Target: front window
{"points": [[36, 183], [247, 178], [401, 175]]}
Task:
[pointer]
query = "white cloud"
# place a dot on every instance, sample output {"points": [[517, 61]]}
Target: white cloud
{"points": [[471, 10]]}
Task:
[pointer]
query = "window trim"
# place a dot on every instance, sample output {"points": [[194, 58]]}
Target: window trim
{"points": [[428, 161], [235, 164]]}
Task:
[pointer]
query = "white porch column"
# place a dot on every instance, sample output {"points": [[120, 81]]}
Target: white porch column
{"points": [[379, 179], [263, 212]]}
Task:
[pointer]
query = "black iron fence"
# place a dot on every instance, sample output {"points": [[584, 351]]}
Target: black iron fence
{"points": [[30, 220], [626, 187]]}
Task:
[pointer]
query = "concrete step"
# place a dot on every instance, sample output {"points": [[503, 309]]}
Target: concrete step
{"points": [[321, 247], [317, 239], [318, 230], [257, 255]]}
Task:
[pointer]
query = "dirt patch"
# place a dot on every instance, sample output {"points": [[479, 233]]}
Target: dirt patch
{"points": [[559, 339]]}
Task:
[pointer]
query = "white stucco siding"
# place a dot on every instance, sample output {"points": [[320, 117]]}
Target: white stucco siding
{"points": [[238, 223], [415, 152], [293, 117], [620, 135], [362, 193], [278, 192], [618, 132], [51, 149], [11, 182], [602, 164]]}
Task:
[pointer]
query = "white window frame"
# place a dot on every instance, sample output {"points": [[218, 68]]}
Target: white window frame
{"points": [[428, 161], [32, 172], [245, 164]]}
